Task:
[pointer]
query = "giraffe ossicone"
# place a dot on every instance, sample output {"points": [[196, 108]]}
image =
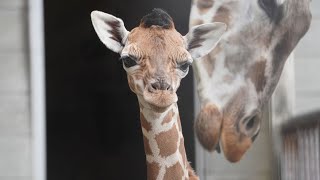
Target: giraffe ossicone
{"points": [[156, 57], [236, 80]]}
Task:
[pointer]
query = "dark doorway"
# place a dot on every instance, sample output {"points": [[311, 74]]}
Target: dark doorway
{"points": [[93, 127]]}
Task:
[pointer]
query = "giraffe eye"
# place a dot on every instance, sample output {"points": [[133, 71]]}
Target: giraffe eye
{"points": [[184, 66], [128, 61]]}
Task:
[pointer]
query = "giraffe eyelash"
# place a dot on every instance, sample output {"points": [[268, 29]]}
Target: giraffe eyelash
{"points": [[183, 66], [129, 61]]}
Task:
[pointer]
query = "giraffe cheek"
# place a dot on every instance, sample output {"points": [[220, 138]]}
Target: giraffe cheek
{"points": [[131, 84], [132, 87], [208, 126], [139, 89]]}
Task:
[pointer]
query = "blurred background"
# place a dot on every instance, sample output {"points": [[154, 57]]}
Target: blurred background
{"points": [[91, 124]]}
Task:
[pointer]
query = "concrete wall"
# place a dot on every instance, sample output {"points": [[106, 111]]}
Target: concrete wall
{"points": [[15, 132], [307, 66]]}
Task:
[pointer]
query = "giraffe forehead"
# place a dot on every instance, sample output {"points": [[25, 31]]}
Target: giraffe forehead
{"points": [[154, 30], [155, 36], [156, 44]]}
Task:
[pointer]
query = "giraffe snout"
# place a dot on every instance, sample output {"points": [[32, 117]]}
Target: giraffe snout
{"points": [[160, 85], [238, 136]]}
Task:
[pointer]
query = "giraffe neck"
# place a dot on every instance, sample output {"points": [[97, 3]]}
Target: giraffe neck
{"points": [[163, 144]]}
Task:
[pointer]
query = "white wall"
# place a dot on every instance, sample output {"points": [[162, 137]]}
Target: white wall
{"points": [[15, 131], [307, 66]]}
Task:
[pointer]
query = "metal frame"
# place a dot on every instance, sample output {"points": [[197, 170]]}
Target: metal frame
{"points": [[37, 68]]}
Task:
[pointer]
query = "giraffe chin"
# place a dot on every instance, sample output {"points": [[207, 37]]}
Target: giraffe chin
{"points": [[160, 100]]}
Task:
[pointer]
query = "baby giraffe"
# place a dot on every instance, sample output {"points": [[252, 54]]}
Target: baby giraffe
{"points": [[156, 57]]}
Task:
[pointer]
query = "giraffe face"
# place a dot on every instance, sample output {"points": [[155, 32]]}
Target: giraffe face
{"points": [[155, 56], [155, 60], [244, 68]]}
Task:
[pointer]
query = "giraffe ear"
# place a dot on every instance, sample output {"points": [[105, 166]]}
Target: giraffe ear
{"points": [[110, 30], [203, 38]]}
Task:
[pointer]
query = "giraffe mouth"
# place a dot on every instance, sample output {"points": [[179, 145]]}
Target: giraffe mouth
{"points": [[215, 131], [160, 99]]}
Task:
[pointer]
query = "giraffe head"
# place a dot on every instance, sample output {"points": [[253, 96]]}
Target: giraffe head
{"points": [[155, 56], [244, 68]]}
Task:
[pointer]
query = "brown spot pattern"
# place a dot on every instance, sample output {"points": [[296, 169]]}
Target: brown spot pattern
{"points": [[174, 172], [209, 60], [205, 3], [257, 75], [167, 141], [222, 15], [282, 51], [144, 123], [152, 171], [147, 148], [168, 117]]}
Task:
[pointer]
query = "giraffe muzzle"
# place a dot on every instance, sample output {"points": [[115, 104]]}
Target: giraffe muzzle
{"points": [[160, 95], [238, 136], [160, 86]]}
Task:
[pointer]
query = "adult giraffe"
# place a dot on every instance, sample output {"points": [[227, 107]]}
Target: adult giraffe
{"points": [[238, 77], [156, 57]]}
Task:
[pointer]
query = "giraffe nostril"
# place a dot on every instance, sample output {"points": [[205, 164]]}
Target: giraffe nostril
{"points": [[250, 124], [155, 86], [250, 127], [163, 86]]}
